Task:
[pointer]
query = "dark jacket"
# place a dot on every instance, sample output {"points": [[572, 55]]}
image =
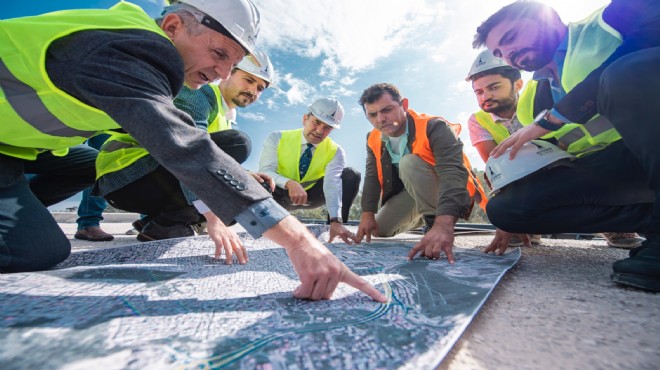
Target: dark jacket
{"points": [[453, 197]]}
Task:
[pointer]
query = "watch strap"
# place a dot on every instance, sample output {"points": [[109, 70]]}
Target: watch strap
{"points": [[336, 219], [548, 125]]}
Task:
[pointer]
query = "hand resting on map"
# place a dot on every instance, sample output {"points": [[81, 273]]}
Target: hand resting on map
{"points": [[226, 240], [440, 238]]}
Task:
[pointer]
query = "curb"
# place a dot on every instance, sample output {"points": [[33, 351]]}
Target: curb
{"points": [[71, 217]]}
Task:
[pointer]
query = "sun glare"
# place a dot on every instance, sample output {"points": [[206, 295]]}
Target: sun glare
{"points": [[572, 10]]}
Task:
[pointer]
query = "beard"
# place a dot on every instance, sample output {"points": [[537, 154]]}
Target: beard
{"points": [[538, 55], [243, 100], [502, 105]]}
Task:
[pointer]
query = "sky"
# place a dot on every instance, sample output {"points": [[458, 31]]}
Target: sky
{"points": [[337, 48]]}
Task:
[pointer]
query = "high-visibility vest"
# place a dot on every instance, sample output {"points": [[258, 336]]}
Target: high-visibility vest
{"points": [[289, 151], [118, 152], [497, 131], [122, 150], [36, 115], [590, 43], [421, 147], [220, 122]]}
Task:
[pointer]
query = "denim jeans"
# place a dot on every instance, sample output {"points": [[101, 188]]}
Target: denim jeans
{"points": [[90, 209], [30, 239]]}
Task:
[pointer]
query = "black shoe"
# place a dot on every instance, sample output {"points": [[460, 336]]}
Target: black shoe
{"points": [[140, 224], [429, 220], [154, 231], [642, 269]]}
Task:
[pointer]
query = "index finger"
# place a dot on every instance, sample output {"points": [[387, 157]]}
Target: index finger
{"points": [[450, 255], [356, 281], [360, 235], [415, 249], [498, 150], [239, 250]]}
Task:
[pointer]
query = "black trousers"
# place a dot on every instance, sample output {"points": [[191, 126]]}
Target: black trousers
{"points": [[158, 195], [30, 239], [350, 185], [615, 189]]}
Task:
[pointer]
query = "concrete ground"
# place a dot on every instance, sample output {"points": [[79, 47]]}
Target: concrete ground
{"points": [[557, 309]]}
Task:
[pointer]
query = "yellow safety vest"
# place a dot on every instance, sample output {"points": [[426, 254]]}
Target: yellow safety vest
{"points": [[497, 131], [220, 122], [590, 43], [117, 153], [288, 158], [122, 150], [36, 115]]}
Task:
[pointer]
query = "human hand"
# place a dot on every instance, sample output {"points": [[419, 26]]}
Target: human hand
{"points": [[226, 240], [517, 139], [440, 238], [368, 227], [318, 269], [297, 193], [266, 181], [501, 241], [339, 230]]}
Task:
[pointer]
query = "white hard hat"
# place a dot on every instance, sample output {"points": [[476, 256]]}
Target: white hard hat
{"points": [[328, 110], [531, 157], [485, 61], [239, 17], [265, 72]]}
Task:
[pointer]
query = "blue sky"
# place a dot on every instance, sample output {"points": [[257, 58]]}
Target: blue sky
{"points": [[339, 47]]}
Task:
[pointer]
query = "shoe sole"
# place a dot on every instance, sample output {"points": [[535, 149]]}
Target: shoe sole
{"points": [[636, 281], [624, 246], [103, 239], [144, 238]]}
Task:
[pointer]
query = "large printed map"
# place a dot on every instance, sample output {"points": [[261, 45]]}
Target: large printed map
{"points": [[169, 304]]}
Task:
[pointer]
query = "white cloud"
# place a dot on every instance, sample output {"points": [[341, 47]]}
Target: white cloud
{"points": [[252, 116], [299, 91], [350, 35]]}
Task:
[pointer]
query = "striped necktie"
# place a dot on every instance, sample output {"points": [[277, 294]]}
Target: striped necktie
{"points": [[305, 160]]}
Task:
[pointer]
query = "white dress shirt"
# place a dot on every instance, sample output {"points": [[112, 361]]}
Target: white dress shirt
{"points": [[331, 182]]}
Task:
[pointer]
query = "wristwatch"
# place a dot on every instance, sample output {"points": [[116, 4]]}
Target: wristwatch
{"points": [[541, 120], [336, 219]]}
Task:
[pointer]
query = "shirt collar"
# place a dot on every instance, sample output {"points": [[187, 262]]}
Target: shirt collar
{"points": [[497, 118], [386, 138], [230, 114], [304, 139]]}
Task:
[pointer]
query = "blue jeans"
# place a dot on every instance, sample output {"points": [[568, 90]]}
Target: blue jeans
{"points": [[90, 210], [30, 239]]}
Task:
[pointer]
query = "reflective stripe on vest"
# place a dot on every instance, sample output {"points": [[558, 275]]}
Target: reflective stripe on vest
{"points": [[421, 147], [497, 131], [36, 114], [121, 151], [220, 122], [288, 157], [118, 152], [590, 43]]}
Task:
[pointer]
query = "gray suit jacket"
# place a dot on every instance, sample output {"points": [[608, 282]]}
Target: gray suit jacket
{"points": [[134, 76]]}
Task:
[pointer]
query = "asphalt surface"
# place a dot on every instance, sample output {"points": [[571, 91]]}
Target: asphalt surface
{"points": [[557, 309]]}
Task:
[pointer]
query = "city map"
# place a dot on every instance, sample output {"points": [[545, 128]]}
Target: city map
{"points": [[170, 305]]}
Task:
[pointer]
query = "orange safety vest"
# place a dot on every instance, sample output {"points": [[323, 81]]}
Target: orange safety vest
{"points": [[421, 147]]}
